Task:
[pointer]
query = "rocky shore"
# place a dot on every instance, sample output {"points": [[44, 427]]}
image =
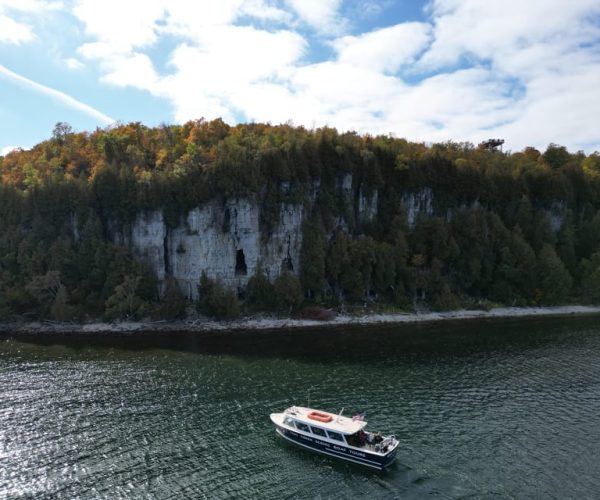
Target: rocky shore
{"points": [[277, 323]]}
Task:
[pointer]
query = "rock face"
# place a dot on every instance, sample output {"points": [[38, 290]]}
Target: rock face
{"points": [[147, 239], [557, 212], [223, 239], [417, 203]]}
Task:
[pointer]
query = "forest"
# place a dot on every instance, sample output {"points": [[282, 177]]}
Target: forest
{"points": [[505, 228]]}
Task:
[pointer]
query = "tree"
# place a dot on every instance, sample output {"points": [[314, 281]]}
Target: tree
{"points": [[215, 300], [556, 156], [566, 243], [173, 304], [61, 131], [555, 280], [45, 289], [260, 294], [125, 303], [591, 165], [337, 261], [590, 281], [60, 309], [288, 291], [384, 270], [515, 275], [312, 258]]}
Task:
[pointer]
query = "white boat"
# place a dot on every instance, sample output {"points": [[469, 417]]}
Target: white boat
{"points": [[336, 436]]}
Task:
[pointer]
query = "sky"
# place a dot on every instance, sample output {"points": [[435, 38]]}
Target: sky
{"points": [[527, 71]]}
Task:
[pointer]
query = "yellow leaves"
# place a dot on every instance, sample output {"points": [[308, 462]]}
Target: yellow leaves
{"points": [[591, 165]]}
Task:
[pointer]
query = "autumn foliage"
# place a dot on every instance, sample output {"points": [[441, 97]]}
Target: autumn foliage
{"points": [[514, 228]]}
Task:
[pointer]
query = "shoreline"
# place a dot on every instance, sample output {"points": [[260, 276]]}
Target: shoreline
{"points": [[258, 324]]}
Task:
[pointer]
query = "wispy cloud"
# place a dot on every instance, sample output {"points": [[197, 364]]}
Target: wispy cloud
{"points": [[73, 63], [57, 95]]}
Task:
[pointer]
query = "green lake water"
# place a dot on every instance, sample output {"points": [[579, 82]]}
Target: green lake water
{"points": [[485, 409]]}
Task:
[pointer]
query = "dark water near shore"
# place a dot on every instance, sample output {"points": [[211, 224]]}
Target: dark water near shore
{"points": [[489, 409]]}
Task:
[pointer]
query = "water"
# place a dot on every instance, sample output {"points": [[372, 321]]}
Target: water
{"points": [[492, 409]]}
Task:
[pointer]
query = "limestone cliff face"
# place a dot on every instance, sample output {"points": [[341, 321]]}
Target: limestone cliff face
{"points": [[417, 203], [222, 240], [147, 239]]}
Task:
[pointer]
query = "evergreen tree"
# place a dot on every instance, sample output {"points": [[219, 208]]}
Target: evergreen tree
{"points": [[566, 243], [260, 294], [312, 258], [590, 281], [555, 280], [173, 304], [215, 300], [45, 289], [288, 291]]}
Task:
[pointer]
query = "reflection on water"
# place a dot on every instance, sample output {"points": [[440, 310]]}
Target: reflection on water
{"points": [[484, 409]]}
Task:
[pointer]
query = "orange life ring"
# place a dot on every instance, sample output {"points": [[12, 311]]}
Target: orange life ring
{"points": [[320, 417]]}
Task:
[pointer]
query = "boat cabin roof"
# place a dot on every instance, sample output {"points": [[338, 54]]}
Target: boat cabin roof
{"points": [[344, 425]]}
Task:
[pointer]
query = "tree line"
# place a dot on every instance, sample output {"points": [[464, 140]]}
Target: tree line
{"points": [[508, 228]]}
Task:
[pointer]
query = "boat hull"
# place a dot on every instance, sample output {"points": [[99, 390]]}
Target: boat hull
{"points": [[338, 451]]}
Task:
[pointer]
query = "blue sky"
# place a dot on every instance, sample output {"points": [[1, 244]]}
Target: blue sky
{"points": [[464, 70]]}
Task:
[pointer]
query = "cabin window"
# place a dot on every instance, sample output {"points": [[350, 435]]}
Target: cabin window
{"points": [[335, 435], [318, 431], [302, 427], [288, 421]]}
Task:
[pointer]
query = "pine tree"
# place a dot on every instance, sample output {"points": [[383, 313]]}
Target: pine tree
{"points": [[555, 280], [288, 291], [260, 294]]}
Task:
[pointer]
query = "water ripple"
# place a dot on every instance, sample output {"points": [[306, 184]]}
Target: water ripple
{"points": [[508, 410]]}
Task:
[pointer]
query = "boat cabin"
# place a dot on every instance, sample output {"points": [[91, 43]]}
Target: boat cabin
{"points": [[324, 425]]}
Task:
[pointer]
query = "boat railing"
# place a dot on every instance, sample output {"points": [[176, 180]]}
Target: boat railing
{"points": [[386, 443]]}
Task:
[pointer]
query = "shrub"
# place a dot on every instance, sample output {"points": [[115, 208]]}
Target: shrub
{"points": [[217, 301], [288, 291]]}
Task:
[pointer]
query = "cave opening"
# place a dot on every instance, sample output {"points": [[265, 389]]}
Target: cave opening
{"points": [[240, 263]]}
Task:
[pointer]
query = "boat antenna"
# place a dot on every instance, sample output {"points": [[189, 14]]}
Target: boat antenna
{"points": [[341, 411]]}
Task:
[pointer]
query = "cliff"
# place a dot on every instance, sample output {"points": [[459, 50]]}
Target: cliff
{"points": [[223, 239], [103, 223]]}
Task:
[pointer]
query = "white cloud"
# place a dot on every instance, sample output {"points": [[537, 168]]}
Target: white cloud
{"points": [[135, 70], [227, 61], [498, 29], [120, 26], [31, 5], [57, 95], [526, 71], [7, 149], [13, 32], [385, 49], [264, 10], [547, 48], [322, 15], [17, 32]]}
